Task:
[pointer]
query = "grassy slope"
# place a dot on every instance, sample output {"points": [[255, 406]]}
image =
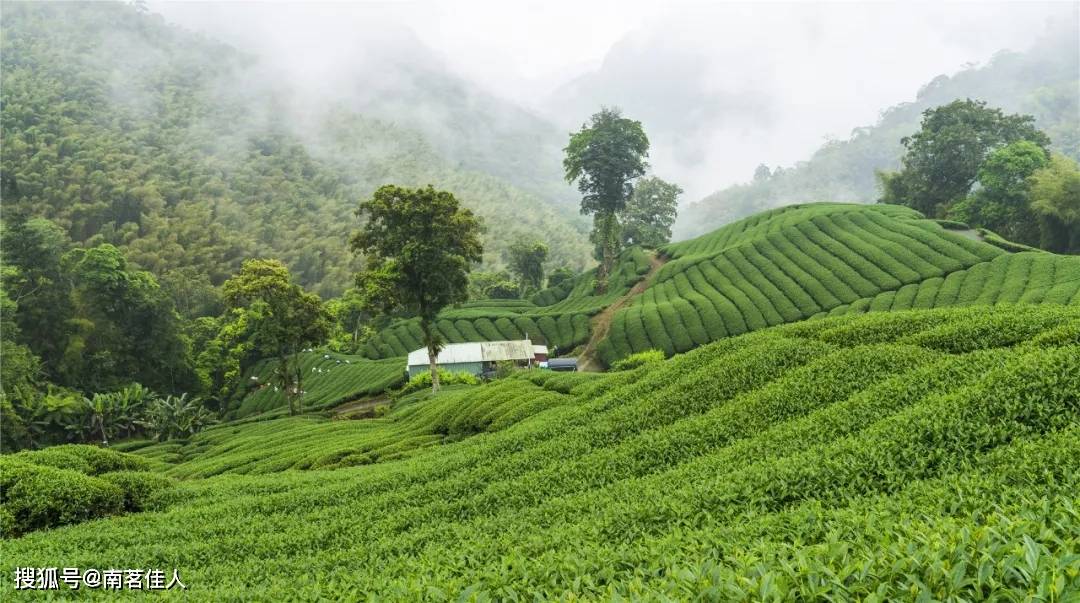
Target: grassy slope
{"points": [[804, 261], [881, 455]]}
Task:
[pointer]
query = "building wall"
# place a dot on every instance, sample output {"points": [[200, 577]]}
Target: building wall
{"points": [[458, 367]]}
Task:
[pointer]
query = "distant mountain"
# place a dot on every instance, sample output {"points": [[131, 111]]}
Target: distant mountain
{"points": [[367, 60], [1042, 81], [125, 129]]}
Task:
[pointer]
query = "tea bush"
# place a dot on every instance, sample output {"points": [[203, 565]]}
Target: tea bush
{"points": [[917, 455], [639, 359], [422, 380], [824, 259], [41, 496], [329, 380], [84, 458], [139, 487]]}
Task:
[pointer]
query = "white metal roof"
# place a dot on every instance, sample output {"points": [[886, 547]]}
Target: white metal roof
{"points": [[540, 349], [477, 351]]}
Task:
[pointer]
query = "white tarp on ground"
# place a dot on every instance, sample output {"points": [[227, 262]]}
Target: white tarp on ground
{"points": [[477, 351]]}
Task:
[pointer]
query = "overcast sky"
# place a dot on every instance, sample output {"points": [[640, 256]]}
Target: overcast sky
{"points": [[806, 71]]}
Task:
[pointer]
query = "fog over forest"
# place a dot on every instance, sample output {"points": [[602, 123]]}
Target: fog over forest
{"points": [[719, 88]]}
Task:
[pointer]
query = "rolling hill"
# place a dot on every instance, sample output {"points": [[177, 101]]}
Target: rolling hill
{"points": [[786, 265], [921, 454], [804, 261]]}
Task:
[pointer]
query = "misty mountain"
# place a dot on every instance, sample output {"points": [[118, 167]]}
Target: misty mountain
{"points": [[362, 58], [1041, 81], [125, 129]]}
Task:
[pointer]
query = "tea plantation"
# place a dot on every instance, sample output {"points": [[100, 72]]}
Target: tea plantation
{"points": [[557, 316], [914, 455], [802, 261], [329, 380]]}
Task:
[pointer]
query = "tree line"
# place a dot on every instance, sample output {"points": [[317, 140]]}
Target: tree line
{"points": [[977, 165]]}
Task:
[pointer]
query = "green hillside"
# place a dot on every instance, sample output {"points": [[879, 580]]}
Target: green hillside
{"points": [[802, 261], [124, 129], [558, 316], [785, 265], [329, 379], [926, 455]]}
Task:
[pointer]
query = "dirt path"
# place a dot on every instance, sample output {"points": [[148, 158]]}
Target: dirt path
{"points": [[358, 409], [971, 234], [601, 323]]}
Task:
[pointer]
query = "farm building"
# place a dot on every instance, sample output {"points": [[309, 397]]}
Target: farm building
{"points": [[477, 357]]}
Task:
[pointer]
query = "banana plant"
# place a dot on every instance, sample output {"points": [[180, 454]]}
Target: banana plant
{"points": [[177, 417]]}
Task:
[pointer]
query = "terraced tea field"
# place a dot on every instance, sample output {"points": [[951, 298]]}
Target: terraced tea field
{"points": [[329, 379], [799, 262], [919, 455], [778, 267], [558, 316]]}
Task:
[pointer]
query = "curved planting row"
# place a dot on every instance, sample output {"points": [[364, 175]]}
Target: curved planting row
{"points": [[557, 316], [889, 456], [310, 442], [774, 220], [1021, 278], [562, 330], [329, 380], [787, 266]]}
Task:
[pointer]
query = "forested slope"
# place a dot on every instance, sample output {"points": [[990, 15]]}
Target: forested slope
{"points": [[1040, 81], [802, 261], [927, 454], [126, 130]]}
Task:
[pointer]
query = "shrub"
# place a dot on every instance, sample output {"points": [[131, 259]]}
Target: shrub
{"points": [[139, 487], [639, 359], [84, 458], [39, 496], [423, 380]]}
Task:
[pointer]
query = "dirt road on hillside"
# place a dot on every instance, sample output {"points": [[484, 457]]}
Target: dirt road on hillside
{"points": [[601, 323]]}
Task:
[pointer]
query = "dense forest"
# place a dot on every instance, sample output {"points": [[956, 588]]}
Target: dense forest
{"points": [[1041, 81], [125, 130]]}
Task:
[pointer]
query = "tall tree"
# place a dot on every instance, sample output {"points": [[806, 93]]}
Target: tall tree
{"points": [[419, 246], [279, 319], [1055, 198], [605, 157], [39, 286], [124, 327], [1001, 201], [943, 158], [650, 213], [526, 260]]}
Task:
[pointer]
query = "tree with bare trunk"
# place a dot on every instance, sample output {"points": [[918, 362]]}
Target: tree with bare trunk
{"points": [[419, 246]]}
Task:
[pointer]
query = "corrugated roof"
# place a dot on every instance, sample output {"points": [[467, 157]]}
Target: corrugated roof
{"points": [[477, 351]]}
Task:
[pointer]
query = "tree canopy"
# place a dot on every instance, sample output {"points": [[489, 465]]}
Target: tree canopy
{"points": [[526, 260], [419, 246], [650, 213], [274, 318], [604, 158], [944, 157], [1055, 198]]}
